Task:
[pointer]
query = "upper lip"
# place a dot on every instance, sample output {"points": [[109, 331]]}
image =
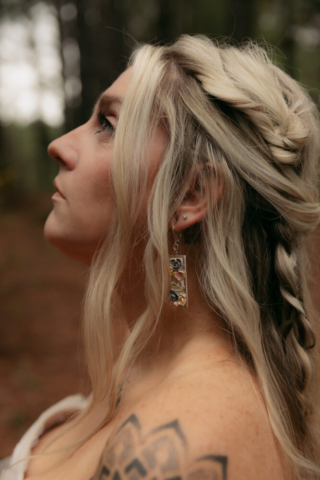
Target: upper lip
{"points": [[56, 185]]}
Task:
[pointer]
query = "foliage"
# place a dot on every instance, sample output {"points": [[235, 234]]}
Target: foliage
{"points": [[106, 32]]}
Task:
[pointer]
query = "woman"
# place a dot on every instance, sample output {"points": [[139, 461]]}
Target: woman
{"points": [[190, 192]]}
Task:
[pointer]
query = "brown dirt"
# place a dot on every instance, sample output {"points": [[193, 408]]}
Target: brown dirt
{"points": [[41, 354]]}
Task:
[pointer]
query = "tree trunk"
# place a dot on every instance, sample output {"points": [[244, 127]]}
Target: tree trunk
{"points": [[241, 18], [174, 19], [287, 44], [104, 52]]}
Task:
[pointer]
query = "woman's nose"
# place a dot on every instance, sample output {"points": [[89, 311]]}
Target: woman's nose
{"points": [[64, 151]]}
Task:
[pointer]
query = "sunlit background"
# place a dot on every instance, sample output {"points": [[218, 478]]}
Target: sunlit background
{"points": [[55, 58]]}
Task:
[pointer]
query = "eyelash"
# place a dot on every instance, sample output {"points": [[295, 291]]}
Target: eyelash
{"points": [[107, 126]]}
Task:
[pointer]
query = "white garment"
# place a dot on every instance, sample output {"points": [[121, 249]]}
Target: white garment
{"points": [[55, 415]]}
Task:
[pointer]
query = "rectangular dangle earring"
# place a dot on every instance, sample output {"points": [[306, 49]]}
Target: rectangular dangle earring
{"points": [[178, 276]]}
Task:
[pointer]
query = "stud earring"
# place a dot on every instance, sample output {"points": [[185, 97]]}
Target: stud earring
{"points": [[185, 217], [178, 275]]}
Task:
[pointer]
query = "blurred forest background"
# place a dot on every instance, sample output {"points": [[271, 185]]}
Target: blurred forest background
{"points": [[55, 58]]}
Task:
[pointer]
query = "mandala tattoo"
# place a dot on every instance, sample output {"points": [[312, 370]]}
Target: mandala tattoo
{"points": [[161, 455]]}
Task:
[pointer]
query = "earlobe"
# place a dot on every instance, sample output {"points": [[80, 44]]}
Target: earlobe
{"points": [[189, 214], [194, 206]]}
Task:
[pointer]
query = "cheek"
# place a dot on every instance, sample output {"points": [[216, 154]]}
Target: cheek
{"points": [[92, 199], [92, 196]]}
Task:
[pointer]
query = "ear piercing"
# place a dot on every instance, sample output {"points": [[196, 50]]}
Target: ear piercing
{"points": [[185, 217]]}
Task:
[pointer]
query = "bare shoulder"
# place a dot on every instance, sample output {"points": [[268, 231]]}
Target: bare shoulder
{"points": [[161, 452], [201, 426]]}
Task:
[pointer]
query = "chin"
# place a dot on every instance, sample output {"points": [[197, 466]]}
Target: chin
{"points": [[65, 243]]}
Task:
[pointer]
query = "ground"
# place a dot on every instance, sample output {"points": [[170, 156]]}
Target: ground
{"points": [[41, 353]]}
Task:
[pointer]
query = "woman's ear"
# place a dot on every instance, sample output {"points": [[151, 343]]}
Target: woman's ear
{"points": [[194, 206]]}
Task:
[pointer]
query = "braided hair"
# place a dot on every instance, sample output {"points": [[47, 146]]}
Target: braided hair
{"points": [[228, 112], [260, 127]]}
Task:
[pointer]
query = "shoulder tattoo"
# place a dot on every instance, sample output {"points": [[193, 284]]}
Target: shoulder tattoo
{"points": [[119, 394], [162, 454]]}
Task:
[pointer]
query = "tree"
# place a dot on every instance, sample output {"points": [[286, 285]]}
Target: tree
{"points": [[241, 18]]}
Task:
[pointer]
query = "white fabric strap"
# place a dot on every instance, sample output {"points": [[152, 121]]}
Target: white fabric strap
{"points": [[53, 416]]}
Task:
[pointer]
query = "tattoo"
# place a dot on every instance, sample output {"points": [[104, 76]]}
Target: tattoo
{"points": [[161, 455], [119, 394]]}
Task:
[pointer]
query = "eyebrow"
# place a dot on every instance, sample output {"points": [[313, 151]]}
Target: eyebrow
{"points": [[106, 100]]}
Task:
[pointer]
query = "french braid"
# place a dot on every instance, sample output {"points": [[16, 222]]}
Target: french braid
{"points": [[276, 120]]}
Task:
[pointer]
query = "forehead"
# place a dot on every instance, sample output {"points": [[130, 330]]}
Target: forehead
{"points": [[120, 85], [114, 95]]}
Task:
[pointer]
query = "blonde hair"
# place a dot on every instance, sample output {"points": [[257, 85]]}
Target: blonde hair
{"points": [[230, 108]]}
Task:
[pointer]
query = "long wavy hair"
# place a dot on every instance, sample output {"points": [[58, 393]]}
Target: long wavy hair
{"points": [[230, 110]]}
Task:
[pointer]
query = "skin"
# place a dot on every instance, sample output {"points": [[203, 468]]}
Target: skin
{"points": [[79, 221], [187, 379], [141, 455]]}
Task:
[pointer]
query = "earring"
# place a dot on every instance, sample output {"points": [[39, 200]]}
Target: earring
{"points": [[184, 217], [178, 275]]}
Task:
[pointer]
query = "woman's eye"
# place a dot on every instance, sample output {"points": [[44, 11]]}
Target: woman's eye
{"points": [[106, 125]]}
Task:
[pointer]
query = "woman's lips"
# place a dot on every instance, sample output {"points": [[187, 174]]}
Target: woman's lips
{"points": [[57, 196]]}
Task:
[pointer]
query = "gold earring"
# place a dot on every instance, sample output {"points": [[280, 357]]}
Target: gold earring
{"points": [[178, 275]]}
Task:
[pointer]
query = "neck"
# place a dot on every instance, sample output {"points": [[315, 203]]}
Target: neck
{"points": [[180, 331]]}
